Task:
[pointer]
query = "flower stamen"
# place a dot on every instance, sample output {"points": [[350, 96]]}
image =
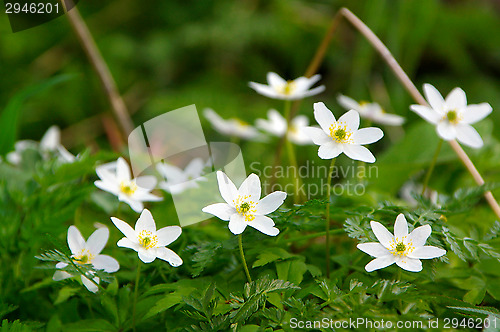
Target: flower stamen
{"points": [[147, 239], [340, 133], [128, 188], [84, 257], [245, 207], [453, 116]]}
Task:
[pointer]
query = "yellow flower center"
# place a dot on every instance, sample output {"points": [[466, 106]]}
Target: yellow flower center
{"points": [[241, 123], [340, 133], [128, 188], [453, 117], [399, 248], [288, 88], [147, 239], [245, 207], [84, 257], [363, 103]]}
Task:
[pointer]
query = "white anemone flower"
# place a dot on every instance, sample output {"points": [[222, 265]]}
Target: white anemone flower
{"points": [[49, 144], [452, 116], [244, 207], [147, 241], [232, 127], [276, 125], [178, 179], [278, 88], [88, 252], [335, 137], [115, 178], [371, 111], [406, 250]]}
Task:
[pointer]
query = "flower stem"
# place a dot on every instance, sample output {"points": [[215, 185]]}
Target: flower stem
{"points": [[431, 167], [291, 154], [136, 287], [240, 242], [329, 188]]}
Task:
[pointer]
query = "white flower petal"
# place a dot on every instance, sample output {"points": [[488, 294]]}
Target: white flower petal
{"points": [[251, 188], [51, 139], [61, 265], [303, 83], [195, 168], [147, 256], [147, 182], [134, 205], [420, 234], [427, 113], [358, 152], [89, 284], [380, 263], [351, 120], [76, 242], [400, 227], [348, 103], [446, 130], [265, 90], [374, 249], [318, 136], [227, 188], [475, 113], [329, 150], [122, 170], [169, 255], [97, 241], [434, 97], [106, 263], [388, 119], [275, 80], [145, 222], [265, 225], [367, 135], [410, 264], [108, 186], [311, 92], [61, 275], [456, 99], [467, 135], [427, 252], [167, 235], [237, 224], [271, 202], [125, 228], [222, 211], [126, 242], [323, 116], [383, 235]]}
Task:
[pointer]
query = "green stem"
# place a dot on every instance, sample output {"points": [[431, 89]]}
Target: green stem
{"points": [[329, 188], [136, 287], [291, 153], [431, 167], [240, 242]]}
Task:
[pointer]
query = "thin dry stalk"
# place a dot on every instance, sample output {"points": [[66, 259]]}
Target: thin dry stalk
{"points": [[101, 68]]}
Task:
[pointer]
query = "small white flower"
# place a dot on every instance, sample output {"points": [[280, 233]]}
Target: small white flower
{"points": [[244, 207], [116, 179], [343, 135], [49, 144], [277, 126], [452, 116], [147, 241], [278, 88], [371, 111], [88, 253], [402, 248], [231, 127], [179, 179]]}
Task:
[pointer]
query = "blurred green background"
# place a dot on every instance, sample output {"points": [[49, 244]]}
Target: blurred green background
{"points": [[169, 54]]}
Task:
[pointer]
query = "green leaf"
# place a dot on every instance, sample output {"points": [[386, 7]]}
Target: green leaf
{"points": [[11, 113]]}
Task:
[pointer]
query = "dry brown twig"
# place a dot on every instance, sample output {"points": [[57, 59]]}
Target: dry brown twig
{"points": [[402, 77], [88, 44]]}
